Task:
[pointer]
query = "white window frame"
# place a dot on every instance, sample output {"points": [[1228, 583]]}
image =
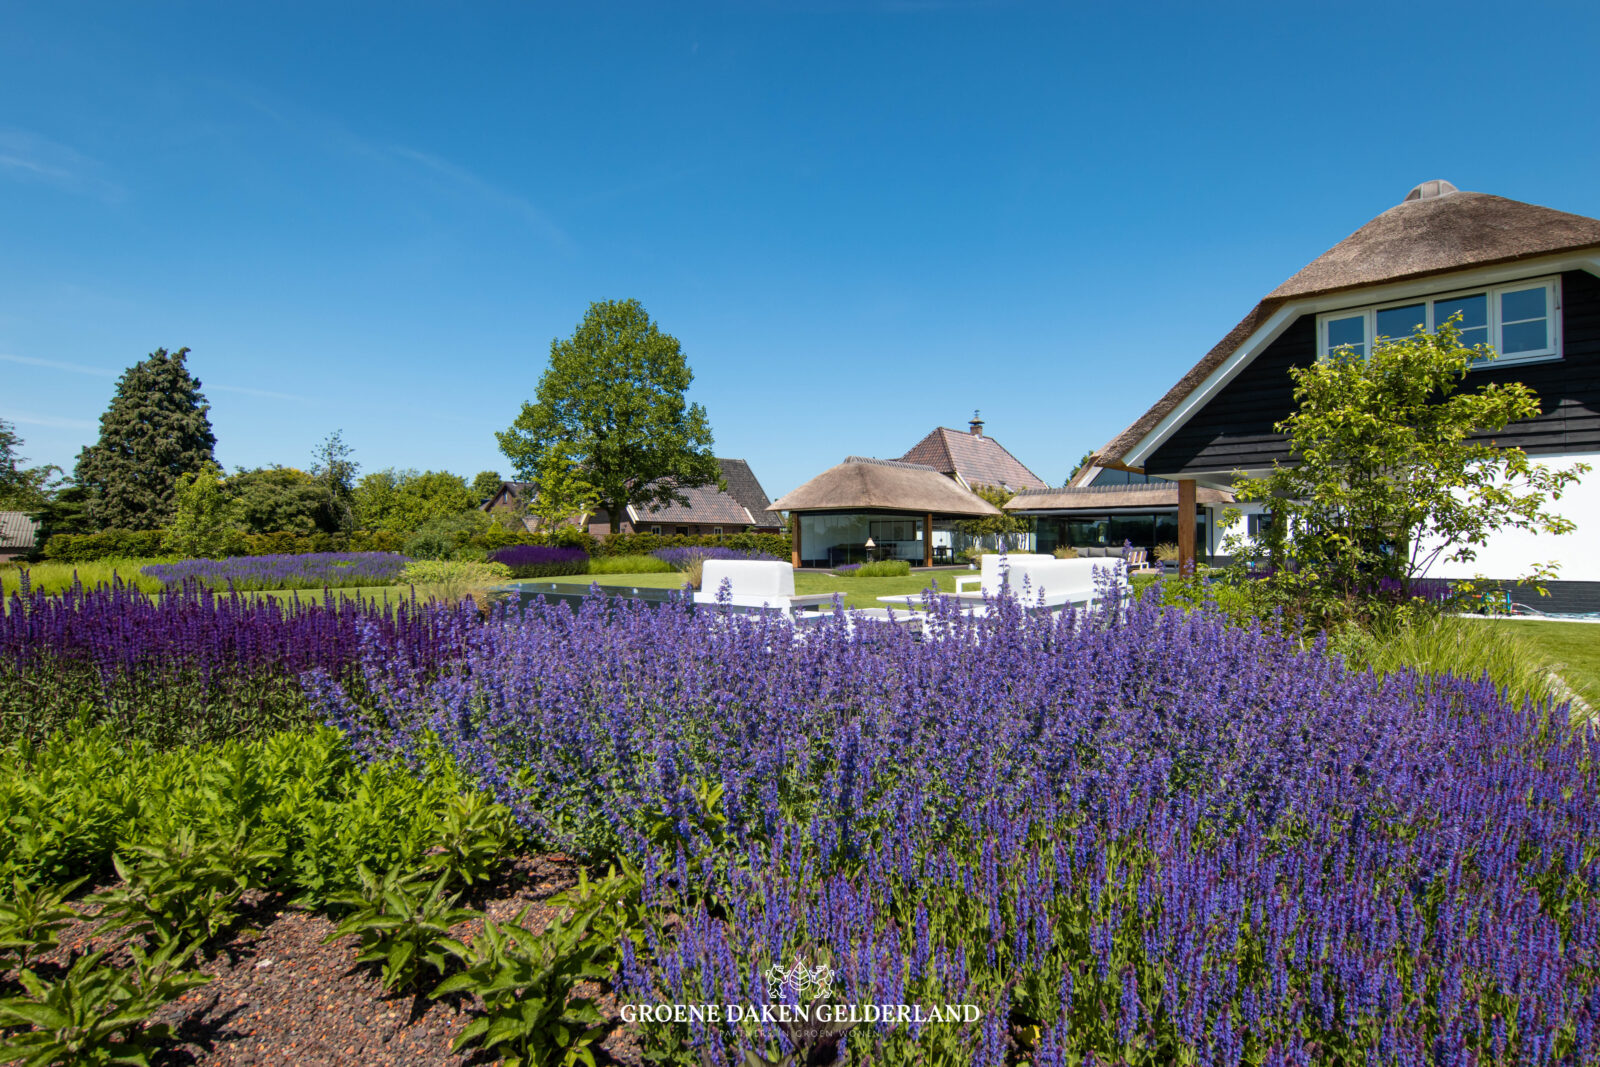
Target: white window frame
{"points": [[655, 530], [1369, 315]]}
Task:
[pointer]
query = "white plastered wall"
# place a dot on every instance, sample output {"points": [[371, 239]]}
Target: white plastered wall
{"points": [[1512, 554]]}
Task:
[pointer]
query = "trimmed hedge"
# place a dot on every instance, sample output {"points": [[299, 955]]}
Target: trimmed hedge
{"points": [[137, 544], [642, 544]]}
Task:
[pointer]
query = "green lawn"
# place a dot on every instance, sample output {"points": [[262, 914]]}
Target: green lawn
{"points": [[1574, 645], [858, 592]]}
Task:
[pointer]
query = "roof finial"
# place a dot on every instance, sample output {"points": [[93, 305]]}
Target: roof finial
{"points": [[975, 427]]}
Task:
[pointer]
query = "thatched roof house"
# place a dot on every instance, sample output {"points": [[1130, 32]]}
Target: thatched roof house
{"points": [[880, 508], [1525, 281]]}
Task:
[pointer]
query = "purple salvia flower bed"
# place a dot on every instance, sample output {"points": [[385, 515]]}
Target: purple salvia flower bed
{"points": [[193, 664], [311, 570], [1146, 835], [541, 561], [679, 558]]}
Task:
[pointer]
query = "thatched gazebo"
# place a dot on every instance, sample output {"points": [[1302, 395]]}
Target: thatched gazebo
{"points": [[879, 509]]}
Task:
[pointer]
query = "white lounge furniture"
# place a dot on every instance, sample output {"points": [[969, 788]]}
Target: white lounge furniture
{"points": [[754, 584], [1063, 583]]}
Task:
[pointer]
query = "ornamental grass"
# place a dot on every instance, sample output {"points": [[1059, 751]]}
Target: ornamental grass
{"points": [[1145, 835]]}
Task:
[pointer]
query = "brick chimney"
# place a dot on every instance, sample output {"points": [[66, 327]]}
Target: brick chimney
{"points": [[975, 427]]}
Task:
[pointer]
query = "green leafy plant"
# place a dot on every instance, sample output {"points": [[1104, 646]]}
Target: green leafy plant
{"points": [[185, 885], [883, 568], [96, 1013], [31, 920], [473, 838], [1393, 474], [403, 920], [527, 981]]}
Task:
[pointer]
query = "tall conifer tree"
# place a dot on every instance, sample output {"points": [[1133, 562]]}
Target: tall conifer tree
{"points": [[154, 431]]}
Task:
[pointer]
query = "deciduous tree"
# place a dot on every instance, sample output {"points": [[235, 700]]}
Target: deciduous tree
{"points": [[613, 398], [1393, 472]]}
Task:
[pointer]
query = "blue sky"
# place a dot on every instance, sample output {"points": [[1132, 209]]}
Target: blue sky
{"points": [[861, 220]]}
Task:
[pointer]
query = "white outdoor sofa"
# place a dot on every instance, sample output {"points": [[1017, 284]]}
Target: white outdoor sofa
{"points": [[1063, 583], [755, 584]]}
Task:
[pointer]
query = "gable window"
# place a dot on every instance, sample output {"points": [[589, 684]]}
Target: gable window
{"points": [[1518, 321]]}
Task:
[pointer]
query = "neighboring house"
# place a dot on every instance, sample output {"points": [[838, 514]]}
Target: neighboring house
{"points": [[973, 459], [17, 534], [742, 507], [911, 508], [1526, 280]]}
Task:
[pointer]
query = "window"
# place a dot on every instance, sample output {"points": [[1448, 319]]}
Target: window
{"points": [[681, 531], [655, 529], [1518, 321], [1258, 525], [717, 530]]}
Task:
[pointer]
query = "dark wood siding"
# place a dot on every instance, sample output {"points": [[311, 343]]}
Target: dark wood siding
{"points": [[1235, 430]]}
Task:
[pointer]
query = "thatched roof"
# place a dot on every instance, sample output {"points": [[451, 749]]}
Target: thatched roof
{"points": [[1435, 230], [862, 483], [1106, 497]]}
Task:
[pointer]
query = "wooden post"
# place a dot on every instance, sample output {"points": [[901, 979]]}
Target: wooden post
{"points": [[794, 537], [927, 541], [1186, 510]]}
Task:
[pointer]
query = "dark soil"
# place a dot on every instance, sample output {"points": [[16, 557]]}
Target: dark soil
{"points": [[280, 995]]}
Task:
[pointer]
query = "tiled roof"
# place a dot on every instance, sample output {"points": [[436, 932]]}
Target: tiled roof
{"points": [[743, 487], [17, 530], [706, 503], [978, 460], [744, 503]]}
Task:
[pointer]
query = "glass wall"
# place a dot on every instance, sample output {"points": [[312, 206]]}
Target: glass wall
{"points": [[1084, 531], [828, 539]]}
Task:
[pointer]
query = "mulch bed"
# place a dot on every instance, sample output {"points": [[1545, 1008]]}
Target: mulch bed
{"points": [[280, 995]]}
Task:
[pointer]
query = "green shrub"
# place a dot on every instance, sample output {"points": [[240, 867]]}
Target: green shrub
{"points": [[151, 545], [643, 543], [628, 565], [293, 810], [403, 921], [883, 568], [446, 536], [1440, 644]]}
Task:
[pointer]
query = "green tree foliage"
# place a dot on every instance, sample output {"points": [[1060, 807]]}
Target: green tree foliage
{"points": [[402, 500], [202, 515], [21, 488], [486, 484], [563, 492], [284, 500], [154, 432], [1394, 474], [1083, 461], [613, 399], [1004, 525], [332, 466]]}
